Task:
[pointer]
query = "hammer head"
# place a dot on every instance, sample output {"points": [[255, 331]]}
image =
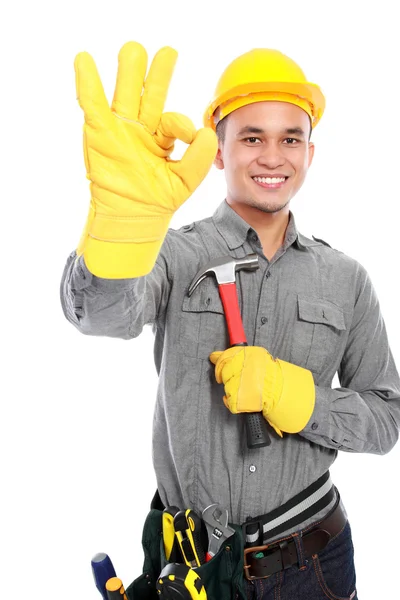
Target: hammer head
{"points": [[224, 269]]}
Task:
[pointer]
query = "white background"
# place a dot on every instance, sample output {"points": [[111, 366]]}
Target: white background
{"points": [[76, 411]]}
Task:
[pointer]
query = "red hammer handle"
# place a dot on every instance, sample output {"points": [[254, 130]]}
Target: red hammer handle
{"points": [[230, 303], [256, 427]]}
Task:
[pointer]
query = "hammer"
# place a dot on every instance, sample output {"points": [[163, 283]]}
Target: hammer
{"points": [[224, 269]]}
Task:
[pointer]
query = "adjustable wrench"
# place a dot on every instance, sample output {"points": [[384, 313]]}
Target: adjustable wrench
{"points": [[216, 519]]}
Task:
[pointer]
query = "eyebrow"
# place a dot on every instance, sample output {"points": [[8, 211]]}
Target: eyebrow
{"points": [[252, 129]]}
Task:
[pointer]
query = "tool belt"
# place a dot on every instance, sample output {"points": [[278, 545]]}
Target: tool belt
{"points": [[263, 561], [242, 556], [222, 576], [309, 502]]}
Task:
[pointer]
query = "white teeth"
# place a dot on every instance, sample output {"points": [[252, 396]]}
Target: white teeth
{"points": [[269, 179]]}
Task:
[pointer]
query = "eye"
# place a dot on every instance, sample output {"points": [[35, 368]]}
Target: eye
{"points": [[251, 140], [291, 141]]}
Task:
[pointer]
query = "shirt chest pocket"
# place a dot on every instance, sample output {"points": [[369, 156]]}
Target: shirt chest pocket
{"points": [[318, 333], [202, 327]]}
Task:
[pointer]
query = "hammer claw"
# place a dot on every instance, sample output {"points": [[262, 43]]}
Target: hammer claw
{"points": [[224, 269]]}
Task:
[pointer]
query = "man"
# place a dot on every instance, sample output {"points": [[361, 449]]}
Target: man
{"points": [[308, 311]]}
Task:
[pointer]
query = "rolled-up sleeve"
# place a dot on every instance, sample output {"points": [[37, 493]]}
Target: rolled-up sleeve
{"points": [[114, 307], [363, 415]]}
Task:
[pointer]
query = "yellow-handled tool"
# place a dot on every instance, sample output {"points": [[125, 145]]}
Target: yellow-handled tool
{"points": [[188, 526], [115, 589], [171, 546]]}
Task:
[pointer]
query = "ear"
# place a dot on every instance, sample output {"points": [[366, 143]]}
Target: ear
{"points": [[311, 149], [218, 160]]}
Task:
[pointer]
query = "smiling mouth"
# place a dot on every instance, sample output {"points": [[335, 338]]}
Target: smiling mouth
{"points": [[270, 182]]}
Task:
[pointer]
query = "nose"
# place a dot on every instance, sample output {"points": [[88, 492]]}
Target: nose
{"points": [[271, 156]]}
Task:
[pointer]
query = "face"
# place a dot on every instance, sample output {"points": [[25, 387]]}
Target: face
{"points": [[265, 154]]}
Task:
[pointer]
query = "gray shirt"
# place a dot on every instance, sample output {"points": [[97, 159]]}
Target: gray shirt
{"points": [[310, 305]]}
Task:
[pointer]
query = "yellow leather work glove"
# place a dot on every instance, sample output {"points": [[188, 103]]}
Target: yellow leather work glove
{"points": [[255, 381], [135, 186]]}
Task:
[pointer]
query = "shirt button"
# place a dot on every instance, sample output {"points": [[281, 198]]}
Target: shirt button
{"points": [[264, 320], [252, 469], [254, 238], [314, 426]]}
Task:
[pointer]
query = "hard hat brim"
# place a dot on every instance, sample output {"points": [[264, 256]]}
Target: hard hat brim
{"points": [[309, 92]]}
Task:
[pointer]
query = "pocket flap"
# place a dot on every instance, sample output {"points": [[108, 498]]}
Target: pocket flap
{"points": [[314, 310], [205, 298]]}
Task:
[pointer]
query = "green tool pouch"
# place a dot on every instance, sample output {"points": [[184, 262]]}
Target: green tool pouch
{"points": [[222, 576]]}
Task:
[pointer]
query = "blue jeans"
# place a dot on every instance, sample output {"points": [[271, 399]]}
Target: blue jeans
{"points": [[328, 575]]}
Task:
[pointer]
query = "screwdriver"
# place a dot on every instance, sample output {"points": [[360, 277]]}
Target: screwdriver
{"points": [[103, 570], [115, 589]]}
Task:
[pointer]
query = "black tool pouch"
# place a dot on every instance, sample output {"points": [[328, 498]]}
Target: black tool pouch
{"points": [[222, 576]]}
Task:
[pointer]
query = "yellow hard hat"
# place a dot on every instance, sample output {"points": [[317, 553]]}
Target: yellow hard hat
{"points": [[263, 74]]}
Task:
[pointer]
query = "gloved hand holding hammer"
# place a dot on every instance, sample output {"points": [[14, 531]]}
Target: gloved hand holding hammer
{"points": [[257, 382]]}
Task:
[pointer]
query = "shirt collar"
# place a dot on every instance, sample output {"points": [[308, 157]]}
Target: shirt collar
{"points": [[235, 230]]}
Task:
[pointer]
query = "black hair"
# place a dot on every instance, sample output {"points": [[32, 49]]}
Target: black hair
{"points": [[221, 128]]}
